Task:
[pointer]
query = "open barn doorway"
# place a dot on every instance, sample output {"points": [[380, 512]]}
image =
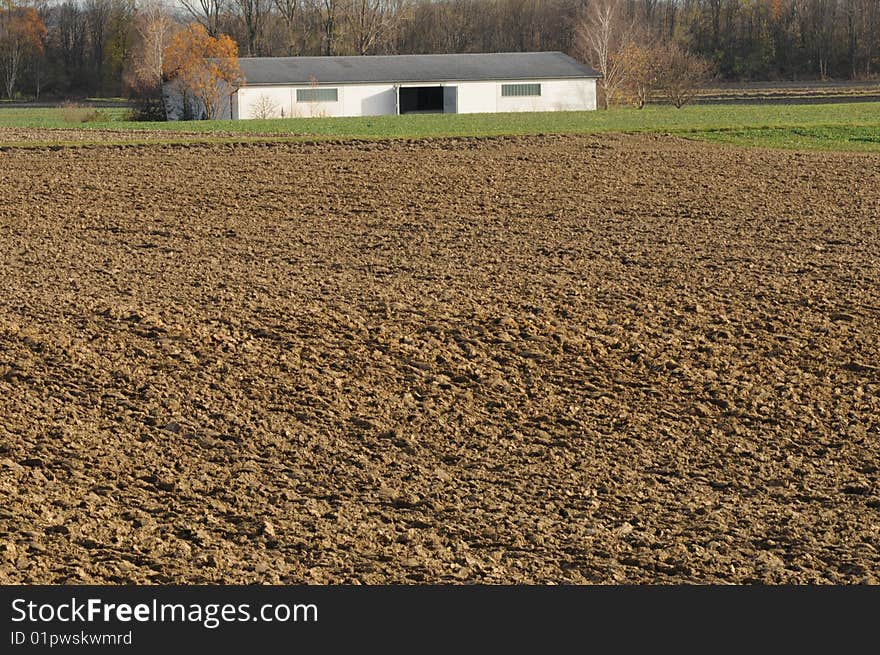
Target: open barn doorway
{"points": [[427, 99], [421, 100]]}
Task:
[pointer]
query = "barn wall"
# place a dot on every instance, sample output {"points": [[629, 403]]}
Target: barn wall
{"points": [[477, 97], [556, 95], [354, 100], [368, 99], [381, 99], [277, 100]]}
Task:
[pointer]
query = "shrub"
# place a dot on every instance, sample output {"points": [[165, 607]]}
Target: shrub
{"points": [[94, 116], [265, 108], [72, 112], [682, 74], [147, 109]]}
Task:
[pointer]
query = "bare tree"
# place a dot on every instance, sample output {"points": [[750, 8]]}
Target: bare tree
{"points": [[328, 13], [644, 70], [154, 29], [602, 36], [206, 12], [265, 108], [681, 74], [368, 21], [291, 14], [22, 32], [97, 19], [71, 32], [401, 13], [253, 15], [456, 21]]}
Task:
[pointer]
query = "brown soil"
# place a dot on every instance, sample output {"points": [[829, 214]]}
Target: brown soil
{"points": [[592, 359], [14, 137]]}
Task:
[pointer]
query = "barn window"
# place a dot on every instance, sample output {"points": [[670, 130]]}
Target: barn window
{"points": [[511, 90], [317, 95]]}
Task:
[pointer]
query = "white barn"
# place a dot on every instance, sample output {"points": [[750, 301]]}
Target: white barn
{"points": [[402, 84]]}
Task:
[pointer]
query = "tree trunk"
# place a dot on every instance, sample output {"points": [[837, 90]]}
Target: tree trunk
{"points": [[11, 69]]}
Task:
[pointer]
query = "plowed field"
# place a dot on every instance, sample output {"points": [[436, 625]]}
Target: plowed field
{"points": [[562, 359]]}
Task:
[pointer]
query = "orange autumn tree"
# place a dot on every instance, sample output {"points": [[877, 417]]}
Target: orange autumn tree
{"points": [[22, 33], [203, 68]]}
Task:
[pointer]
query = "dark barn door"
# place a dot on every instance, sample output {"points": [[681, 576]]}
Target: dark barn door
{"points": [[450, 99], [421, 100]]}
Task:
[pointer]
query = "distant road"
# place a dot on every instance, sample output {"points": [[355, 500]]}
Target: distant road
{"points": [[782, 99], [100, 104], [814, 92]]}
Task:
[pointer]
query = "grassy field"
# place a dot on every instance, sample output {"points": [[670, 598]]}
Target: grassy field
{"points": [[863, 138], [847, 126]]}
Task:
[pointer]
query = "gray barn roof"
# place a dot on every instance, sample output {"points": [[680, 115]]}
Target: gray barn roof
{"points": [[412, 68]]}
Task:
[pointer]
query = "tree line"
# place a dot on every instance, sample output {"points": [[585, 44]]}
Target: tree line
{"points": [[80, 48]]}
